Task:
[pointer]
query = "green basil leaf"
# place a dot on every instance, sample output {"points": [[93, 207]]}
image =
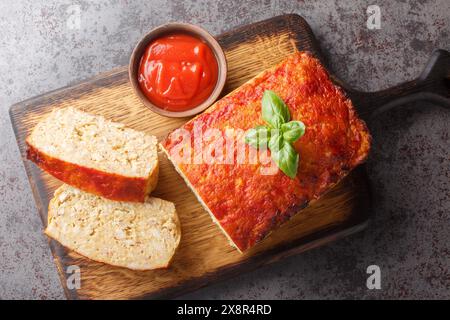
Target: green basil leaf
{"points": [[277, 121], [274, 110], [293, 130], [276, 139], [285, 157], [258, 137]]}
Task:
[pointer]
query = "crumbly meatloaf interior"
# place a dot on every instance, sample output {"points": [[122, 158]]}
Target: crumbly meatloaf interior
{"points": [[138, 236], [95, 142]]}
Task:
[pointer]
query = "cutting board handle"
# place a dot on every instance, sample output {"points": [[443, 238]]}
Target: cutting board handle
{"points": [[432, 85]]}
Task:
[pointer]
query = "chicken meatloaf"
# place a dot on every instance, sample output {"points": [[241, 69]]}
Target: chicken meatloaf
{"points": [[246, 201], [138, 236], [96, 155]]}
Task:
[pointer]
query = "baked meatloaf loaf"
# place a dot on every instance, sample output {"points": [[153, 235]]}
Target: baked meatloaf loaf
{"points": [[137, 236], [96, 155], [246, 201]]}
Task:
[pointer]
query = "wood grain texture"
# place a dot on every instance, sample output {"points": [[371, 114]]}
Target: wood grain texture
{"points": [[204, 254]]}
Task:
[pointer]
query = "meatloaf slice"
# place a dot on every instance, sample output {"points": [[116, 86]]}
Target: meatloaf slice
{"points": [[96, 155], [137, 236]]}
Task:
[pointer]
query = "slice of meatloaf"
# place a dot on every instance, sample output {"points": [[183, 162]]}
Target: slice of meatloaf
{"points": [[96, 155], [137, 236]]}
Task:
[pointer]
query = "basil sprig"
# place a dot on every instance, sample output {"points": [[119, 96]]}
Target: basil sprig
{"points": [[279, 134]]}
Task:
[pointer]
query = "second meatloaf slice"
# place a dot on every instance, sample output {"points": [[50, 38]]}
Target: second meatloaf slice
{"points": [[138, 236], [96, 155]]}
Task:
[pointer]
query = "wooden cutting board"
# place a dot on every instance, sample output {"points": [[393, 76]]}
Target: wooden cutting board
{"points": [[204, 255]]}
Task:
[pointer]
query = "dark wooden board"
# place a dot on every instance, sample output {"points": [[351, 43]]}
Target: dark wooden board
{"points": [[204, 255]]}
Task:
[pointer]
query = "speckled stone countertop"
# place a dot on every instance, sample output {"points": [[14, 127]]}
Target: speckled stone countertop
{"points": [[43, 48]]}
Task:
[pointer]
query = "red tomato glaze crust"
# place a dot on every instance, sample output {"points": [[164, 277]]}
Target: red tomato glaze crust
{"points": [[249, 205]]}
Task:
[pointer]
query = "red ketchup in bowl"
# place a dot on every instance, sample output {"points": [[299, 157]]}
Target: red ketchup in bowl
{"points": [[178, 72]]}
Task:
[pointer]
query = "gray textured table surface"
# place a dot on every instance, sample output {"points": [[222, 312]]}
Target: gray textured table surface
{"points": [[42, 49]]}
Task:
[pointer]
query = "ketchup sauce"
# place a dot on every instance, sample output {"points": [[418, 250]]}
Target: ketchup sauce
{"points": [[178, 72]]}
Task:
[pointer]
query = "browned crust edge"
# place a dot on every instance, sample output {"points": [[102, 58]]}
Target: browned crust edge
{"points": [[108, 185]]}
